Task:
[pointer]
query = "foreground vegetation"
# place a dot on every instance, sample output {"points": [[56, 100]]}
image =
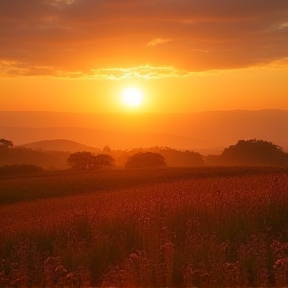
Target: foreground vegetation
{"points": [[203, 227], [43, 185]]}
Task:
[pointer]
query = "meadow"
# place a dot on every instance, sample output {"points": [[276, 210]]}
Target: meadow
{"points": [[201, 227]]}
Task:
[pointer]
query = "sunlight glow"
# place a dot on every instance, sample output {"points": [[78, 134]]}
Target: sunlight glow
{"points": [[132, 97]]}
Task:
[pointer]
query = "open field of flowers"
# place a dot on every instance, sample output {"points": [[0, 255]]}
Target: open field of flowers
{"points": [[225, 229], [66, 183]]}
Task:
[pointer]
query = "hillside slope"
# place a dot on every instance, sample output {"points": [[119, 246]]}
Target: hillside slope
{"points": [[60, 145]]}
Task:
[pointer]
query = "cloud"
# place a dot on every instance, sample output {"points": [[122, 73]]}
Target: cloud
{"points": [[59, 3], [44, 36], [147, 72], [157, 41], [12, 68]]}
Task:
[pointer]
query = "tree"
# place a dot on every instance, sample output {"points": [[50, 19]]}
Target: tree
{"points": [[4, 142], [45, 159], [106, 150], [5, 146], [253, 152], [145, 160], [177, 158], [80, 160], [103, 161], [87, 161]]}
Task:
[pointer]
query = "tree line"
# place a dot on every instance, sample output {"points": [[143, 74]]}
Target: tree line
{"points": [[245, 152], [250, 152]]}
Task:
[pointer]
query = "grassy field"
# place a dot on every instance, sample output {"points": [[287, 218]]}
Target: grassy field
{"points": [[203, 227]]}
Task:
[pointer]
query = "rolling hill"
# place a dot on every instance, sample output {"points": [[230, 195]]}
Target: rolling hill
{"points": [[124, 131], [60, 145]]}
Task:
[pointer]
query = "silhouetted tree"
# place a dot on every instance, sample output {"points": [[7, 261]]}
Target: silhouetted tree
{"points": [[145, 160], [45, 159], [177, 158], [86, 161], [173, 157], [106, 150], [103, 161], [80, 160], [5, 142], [253, 152], [5, 146]]}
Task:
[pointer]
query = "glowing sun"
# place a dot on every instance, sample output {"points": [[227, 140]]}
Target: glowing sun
{"points": [[132, 97]]}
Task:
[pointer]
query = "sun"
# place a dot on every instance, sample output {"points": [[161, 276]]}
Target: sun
{"points": [[132, 97]]}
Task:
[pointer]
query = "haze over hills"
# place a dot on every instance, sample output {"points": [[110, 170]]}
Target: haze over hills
{"points": [[60, 145], [72, 146], [99, 139], [124, 131]]}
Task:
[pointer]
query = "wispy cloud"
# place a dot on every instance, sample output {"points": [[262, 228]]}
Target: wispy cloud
{"points": [[60, 3], [43, 37], [157, 41], [12, 68], [148, 72]]}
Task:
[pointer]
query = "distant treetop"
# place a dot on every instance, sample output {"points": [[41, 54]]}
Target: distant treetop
{"points": [[87, 161], [5, 142], [106, 149], [254, 152], [146, 160]]}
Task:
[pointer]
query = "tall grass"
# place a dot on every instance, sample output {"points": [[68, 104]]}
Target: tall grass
{"points": [[209, 231]]}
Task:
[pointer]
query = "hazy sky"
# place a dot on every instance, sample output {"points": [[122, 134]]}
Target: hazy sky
{"points": [[184, 55]]}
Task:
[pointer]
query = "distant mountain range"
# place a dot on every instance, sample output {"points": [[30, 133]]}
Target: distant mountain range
{"points": [[195, 131]]}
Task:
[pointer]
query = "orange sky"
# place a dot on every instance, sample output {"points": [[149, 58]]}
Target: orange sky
{"points": [[185, 55]]}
